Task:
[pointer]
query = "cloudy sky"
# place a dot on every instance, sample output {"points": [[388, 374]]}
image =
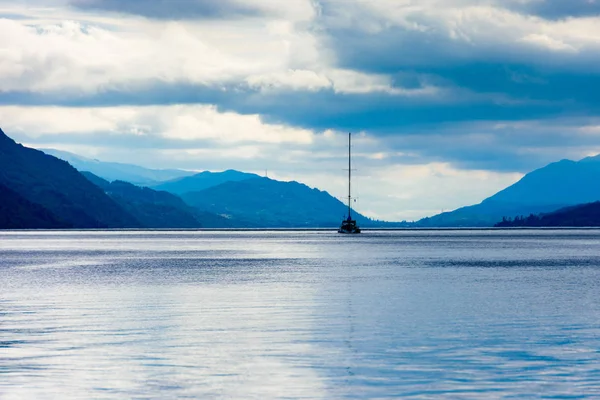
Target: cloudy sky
{"points": [[449, 100]]}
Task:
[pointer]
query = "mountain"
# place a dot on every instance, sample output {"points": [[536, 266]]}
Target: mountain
{"points": [[583, 215], [117, 171], [203, 180], [485, 214], [156, 209], [263, 202], [57, 187], [563, 182], [16, 212], [557, 185]]}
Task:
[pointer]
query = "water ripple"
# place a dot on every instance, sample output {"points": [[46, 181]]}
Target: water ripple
{"points": [[467, 314]]}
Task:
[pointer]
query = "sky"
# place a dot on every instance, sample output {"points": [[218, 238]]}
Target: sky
{"points": [[449, 101]]}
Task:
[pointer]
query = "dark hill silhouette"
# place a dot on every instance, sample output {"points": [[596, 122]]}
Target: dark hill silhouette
{"points": [[263, 202], [203, 180], [156, 209], [583, 215], [16, 212], [547, 189], [58, 187]]}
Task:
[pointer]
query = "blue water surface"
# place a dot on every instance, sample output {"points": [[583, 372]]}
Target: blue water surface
{"points": [[300, 315]]}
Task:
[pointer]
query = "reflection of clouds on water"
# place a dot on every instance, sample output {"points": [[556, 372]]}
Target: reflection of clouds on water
{"points": [[247, 343], [179, 326], [191, 341], [63, 264]]}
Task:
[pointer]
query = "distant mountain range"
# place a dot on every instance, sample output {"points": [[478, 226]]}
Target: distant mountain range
{"points": [[203, 180], [156, 209], [228, 199], [555, 186], [39, 190], [263, 202], [238, 199], [112, 171]]}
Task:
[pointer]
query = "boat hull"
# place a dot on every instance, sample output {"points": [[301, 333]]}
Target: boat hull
{"points": [[349, 227], [349, 232]]}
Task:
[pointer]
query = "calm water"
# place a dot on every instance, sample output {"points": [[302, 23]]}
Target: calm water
{"points": [[479, 314]]}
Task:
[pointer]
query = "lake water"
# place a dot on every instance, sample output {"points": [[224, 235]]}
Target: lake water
{"points": [[427, 314]]}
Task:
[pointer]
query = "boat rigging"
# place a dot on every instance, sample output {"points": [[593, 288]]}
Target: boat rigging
{"points": [[349, 225]]}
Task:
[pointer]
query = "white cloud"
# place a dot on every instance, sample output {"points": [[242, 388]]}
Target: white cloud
{"points": [[348, 81], [548, 42], [468, 29], [287, 48], [60, 49], [339, 80], [75, 57], [89, 54], [178, 122], [291, 79], [204, 122]]}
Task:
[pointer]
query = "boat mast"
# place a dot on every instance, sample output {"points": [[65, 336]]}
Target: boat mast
{"points": [[349, 175]]}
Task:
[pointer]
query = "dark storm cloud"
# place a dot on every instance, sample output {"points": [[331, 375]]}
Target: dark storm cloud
{"points": [[392, 49], [471, 92], [169, 9], [558, 9], [486, 78], [395, 49], [156, 93], [408, 125], [525, 84], [376, 112]]}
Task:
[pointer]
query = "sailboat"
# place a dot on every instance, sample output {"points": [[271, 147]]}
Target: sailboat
{"points": [[349, 225]]}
